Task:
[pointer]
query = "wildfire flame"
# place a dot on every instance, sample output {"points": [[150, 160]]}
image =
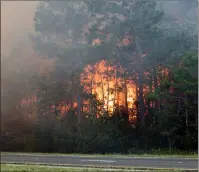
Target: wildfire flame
{"points": [[101, 80]]}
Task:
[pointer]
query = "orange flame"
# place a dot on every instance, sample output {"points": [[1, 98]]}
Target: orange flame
{"points": [[101, 80]]}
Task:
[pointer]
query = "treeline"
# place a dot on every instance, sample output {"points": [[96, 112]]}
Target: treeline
{"points": [[103, 135], [156, 53]]}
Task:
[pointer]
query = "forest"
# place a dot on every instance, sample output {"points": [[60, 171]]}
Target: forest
{"points": [[123, 79]]}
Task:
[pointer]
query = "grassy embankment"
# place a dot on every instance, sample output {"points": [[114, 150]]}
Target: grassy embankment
{"points": [[37, 168]]}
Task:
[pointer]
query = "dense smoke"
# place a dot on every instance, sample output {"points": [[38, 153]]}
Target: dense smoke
{"points": [[17, 23], [119, 72], [18, 61]]}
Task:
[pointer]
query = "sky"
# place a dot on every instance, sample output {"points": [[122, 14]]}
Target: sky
{"points": [[16, 23]]}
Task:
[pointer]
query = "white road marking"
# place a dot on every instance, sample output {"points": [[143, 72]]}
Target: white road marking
{"points": [[179, 162], [97, 160]]}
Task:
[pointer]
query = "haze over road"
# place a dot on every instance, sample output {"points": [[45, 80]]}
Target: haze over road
{"points": [[100, 161]]}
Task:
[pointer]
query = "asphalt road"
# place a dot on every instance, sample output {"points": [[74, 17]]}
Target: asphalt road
{"points": [[100, 161]]}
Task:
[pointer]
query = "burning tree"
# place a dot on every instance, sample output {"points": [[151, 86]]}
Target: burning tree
{"points": [[113, 59]]}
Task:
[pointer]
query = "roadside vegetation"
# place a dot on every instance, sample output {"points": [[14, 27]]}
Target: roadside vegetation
{"points": [[36, 168]]}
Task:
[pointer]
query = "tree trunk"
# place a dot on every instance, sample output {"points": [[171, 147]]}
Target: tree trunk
{"points": [[141, 98], [107, 89], [115, 92], [90, 98], [137, 89], [155, 78], [186, 112], [150, 90], [178, 106], [78, 107], [103, 94], [126, 96], [170, 145], [91, 90], [155, 85], [140, 81], [137, 96]]}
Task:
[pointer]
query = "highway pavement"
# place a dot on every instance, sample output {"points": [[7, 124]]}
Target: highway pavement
{"points": [[102, 161]]}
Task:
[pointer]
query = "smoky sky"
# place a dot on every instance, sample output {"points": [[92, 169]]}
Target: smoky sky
{"points": [[16, 23], [17, 19]]}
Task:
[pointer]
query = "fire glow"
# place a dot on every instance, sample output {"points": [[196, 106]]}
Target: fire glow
{"points": [[101, 80], [104, 81]]}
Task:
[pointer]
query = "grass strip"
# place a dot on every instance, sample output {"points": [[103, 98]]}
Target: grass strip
{"points": [[95, 168], [40, 168]]}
